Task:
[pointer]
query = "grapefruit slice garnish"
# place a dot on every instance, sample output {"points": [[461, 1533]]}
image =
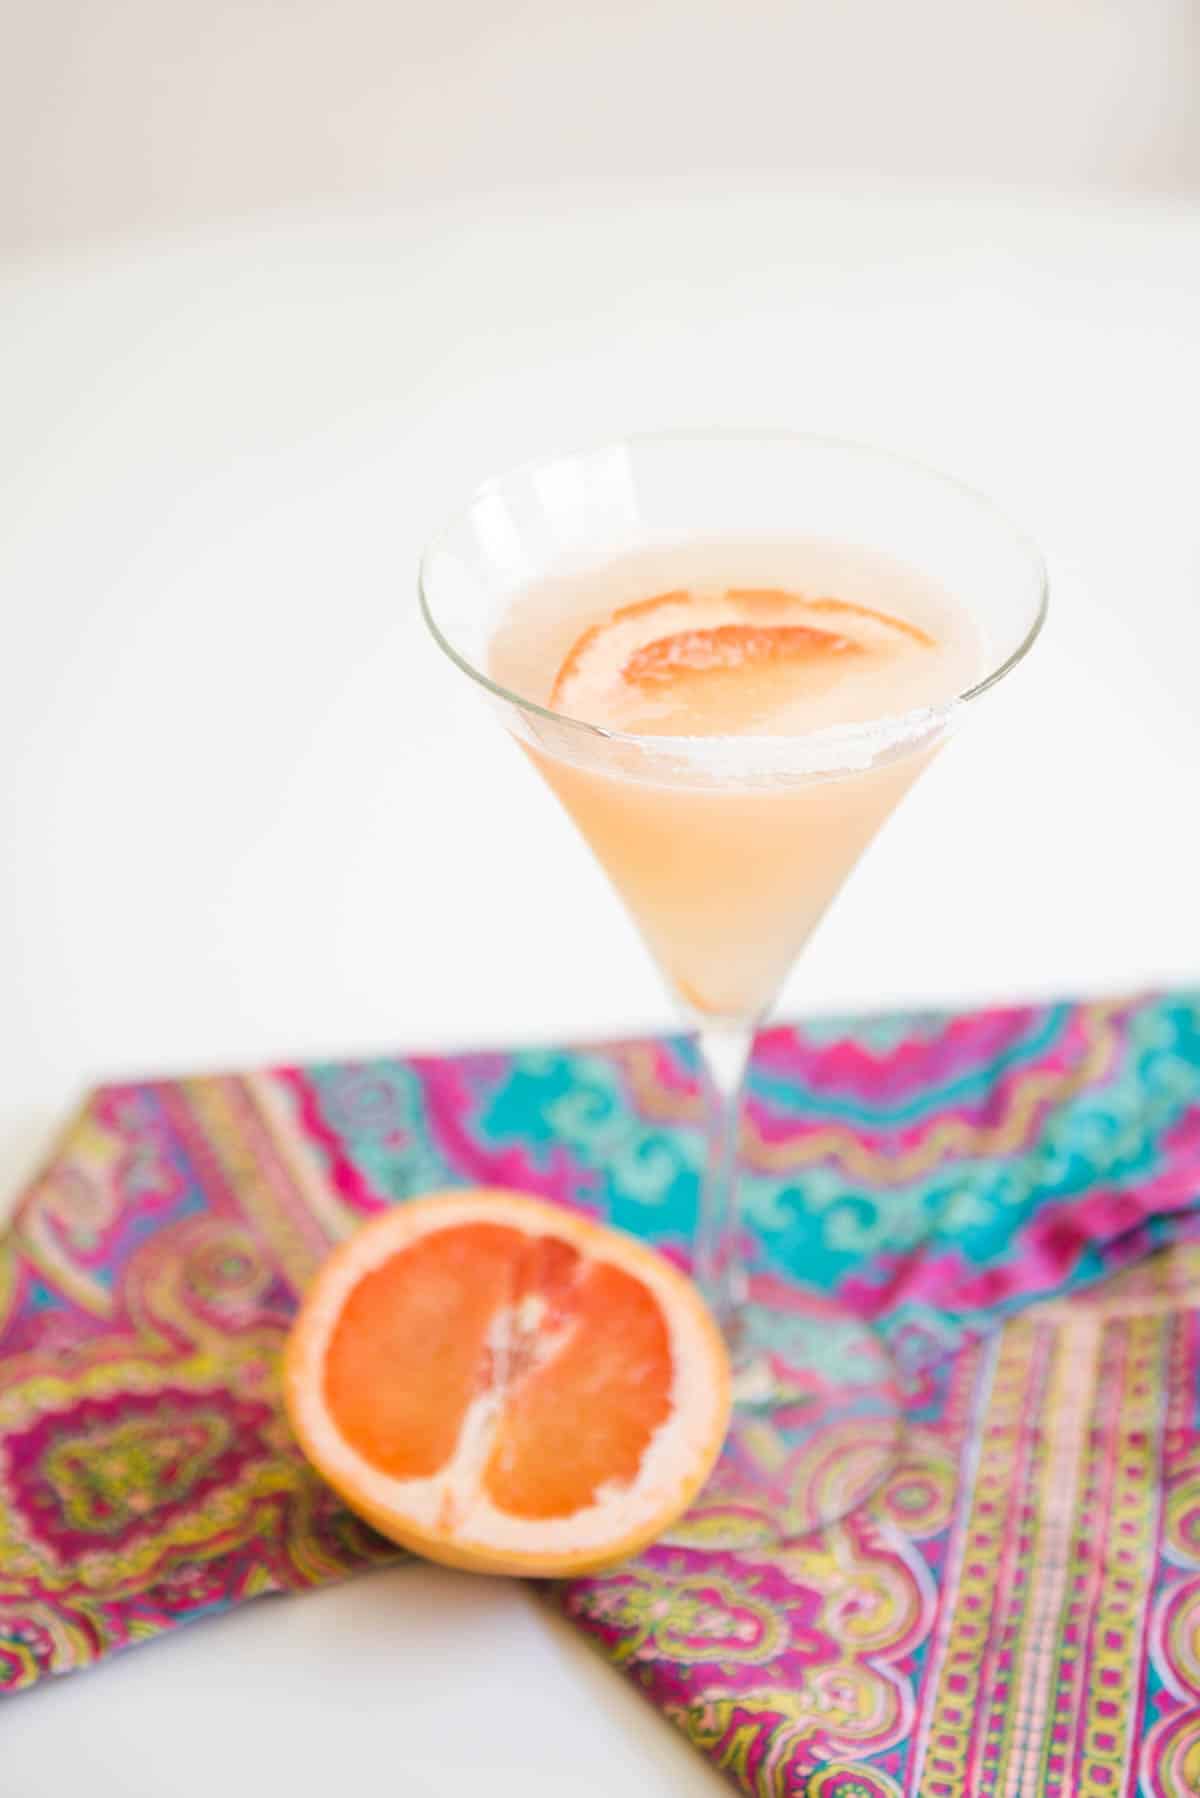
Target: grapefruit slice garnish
{"points": [[614, 637], [498, 1383], [678, 644], [882, 626], [725, 648]]}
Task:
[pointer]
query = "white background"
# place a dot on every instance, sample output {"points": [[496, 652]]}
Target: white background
{"points": [[142, 115], [248, 815]]}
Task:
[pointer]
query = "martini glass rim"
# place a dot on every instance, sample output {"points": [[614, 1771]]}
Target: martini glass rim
{"points": [[834, 737]]}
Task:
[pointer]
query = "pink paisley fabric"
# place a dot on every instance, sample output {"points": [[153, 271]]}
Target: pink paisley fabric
{"points": [[1011, 1196]]}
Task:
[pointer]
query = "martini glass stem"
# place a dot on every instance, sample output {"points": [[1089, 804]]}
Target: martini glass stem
{"points": [[724, 1057]]}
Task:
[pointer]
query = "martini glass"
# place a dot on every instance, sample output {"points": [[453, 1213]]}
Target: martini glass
{"points": [[727, 850]]}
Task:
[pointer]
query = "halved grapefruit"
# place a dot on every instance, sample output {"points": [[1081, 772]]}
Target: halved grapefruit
{"points": [[501, 1384]]}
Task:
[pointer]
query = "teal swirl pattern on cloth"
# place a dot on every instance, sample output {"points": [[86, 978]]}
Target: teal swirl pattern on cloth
{"points": [[1011, 1196]]}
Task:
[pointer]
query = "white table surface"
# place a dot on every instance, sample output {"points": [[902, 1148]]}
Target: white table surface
{"points": [[248, 815]]}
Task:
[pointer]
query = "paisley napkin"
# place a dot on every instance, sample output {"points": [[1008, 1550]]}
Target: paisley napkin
{"points": [[1011, 1195]]}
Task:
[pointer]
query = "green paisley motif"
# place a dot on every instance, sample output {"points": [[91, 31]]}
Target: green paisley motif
{"points": [[108, 1478], [837, 1707], [705, 1618]]}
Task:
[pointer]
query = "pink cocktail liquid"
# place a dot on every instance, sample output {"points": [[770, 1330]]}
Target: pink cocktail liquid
{"points": [[732, 801]]}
